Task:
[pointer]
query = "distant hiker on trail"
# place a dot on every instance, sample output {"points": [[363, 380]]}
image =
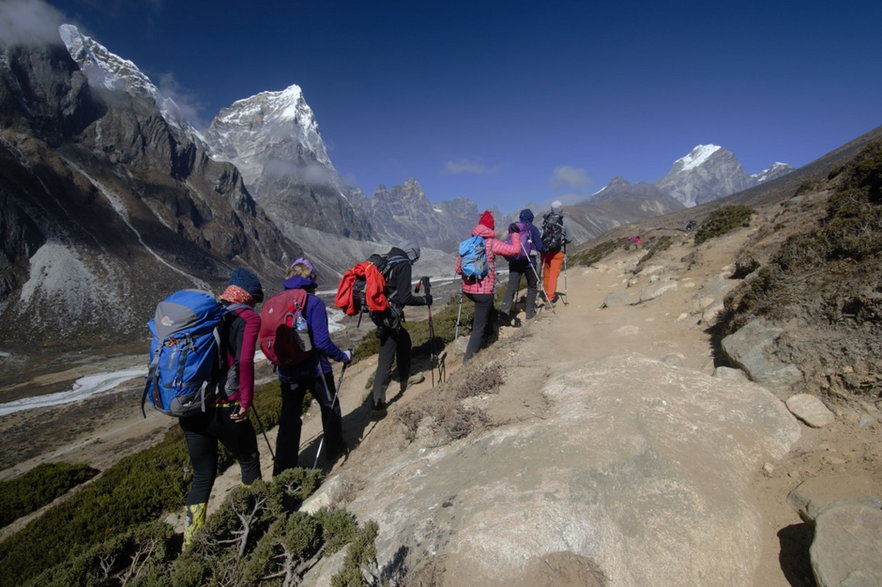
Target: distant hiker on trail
{"points": [[226, 420], [555, 237], [313, 374], [523, 264], [395, 343], [477, 266]]}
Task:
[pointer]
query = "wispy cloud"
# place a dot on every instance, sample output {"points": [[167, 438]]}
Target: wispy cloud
{"points": [[187, 102], [569, 177], [29, 22], [463, 167]]}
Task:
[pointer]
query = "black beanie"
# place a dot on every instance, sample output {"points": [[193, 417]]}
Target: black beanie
{"points": [[247, 281]]}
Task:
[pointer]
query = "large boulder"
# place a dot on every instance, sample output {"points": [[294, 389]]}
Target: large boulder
{"points": [[637, 473]]}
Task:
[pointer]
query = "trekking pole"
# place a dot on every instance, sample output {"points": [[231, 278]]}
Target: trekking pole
{"points": [[333, 403], [427, 287], [566, 299], [263, 430], [458, 316], [536, 274]]}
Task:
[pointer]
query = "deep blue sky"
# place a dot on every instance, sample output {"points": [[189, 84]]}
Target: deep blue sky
{"points": [[507, 102]]}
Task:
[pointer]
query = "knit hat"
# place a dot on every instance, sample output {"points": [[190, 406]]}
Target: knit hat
{"points": [[526, 216], [487, 220], [304, 261], [248, 281], [556, 206], [411, 249]]}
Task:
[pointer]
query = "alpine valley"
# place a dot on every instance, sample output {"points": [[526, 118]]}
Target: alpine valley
{"points": [[110, 199]]}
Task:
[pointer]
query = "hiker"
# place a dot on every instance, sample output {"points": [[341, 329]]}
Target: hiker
{"points": [[226, 420], [395, 343], [555, 237], [479, 287], [313, 375], [523, 264]]}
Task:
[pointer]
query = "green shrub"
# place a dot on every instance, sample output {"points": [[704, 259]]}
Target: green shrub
{"points": [[38, 487], [723, 221], [597, 252], [136, 490]]}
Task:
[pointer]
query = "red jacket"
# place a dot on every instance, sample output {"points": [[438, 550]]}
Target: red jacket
{"points": [[494, 247], [373, 290]]}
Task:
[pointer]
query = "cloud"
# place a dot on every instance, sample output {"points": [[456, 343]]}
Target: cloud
{"points": [[188, 103], [468, 168], [569, 177], [29, 22]]}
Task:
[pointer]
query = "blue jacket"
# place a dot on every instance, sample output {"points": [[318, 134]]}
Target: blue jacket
{"points": [[322, 345]]}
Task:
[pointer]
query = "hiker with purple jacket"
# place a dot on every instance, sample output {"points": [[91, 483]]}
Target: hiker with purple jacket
{"points": [[314, 375], [524, 264]]}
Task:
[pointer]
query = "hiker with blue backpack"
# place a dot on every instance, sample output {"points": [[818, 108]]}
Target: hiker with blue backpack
{"points": [[225, 418], [524, 264], [395, 343], [477, 266], [308, 371]]}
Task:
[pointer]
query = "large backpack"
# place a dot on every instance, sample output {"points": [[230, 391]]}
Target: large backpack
{"points": [[526, 241], [365, 289], [473, 254], [553, 231], [185, 353], [284, 333]]}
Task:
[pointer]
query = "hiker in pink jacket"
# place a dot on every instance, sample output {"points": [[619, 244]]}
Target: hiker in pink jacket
{"points": [[480, 290]]}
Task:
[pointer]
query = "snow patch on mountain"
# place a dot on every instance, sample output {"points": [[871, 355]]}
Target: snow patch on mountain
{"points": [[107, 70], [697, 156]]}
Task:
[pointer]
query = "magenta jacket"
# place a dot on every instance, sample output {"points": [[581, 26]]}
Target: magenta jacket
{"points": [[240, 345], [494, 247]]}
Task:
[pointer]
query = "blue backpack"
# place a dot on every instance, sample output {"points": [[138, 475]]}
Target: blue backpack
{"points": [[473, 252], [185, 353]]}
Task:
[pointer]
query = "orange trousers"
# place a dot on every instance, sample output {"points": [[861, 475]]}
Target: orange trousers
{"points": [[551, 264]]}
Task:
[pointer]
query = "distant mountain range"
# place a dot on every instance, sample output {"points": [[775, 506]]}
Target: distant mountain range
{"points": [[110, 198]]}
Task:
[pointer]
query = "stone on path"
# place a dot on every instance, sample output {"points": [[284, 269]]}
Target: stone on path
{"points": [[810, 410]]}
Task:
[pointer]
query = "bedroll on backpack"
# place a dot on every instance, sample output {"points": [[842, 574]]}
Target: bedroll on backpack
{"points": [[284, 334], [184, 353], [553, 231], [473, 252], [364, 289]]}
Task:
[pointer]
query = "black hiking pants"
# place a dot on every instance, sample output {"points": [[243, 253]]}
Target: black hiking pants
{"points": [[395, 345], [515, 270], [484, 325], [202, 433], [291, 423]]}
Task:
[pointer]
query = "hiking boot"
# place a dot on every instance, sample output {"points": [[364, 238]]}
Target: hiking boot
{"points": [[378, 410], [413, 380], [504, 319], [333, 455]]}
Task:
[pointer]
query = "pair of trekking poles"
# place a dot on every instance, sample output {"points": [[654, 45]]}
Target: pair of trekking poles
{"points": [[333, 403], [436, 361]]}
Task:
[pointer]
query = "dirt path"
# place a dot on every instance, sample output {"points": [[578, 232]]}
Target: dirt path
{"points": [[667, 328]]}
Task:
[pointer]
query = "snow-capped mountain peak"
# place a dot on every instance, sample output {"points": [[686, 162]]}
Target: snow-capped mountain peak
{"points": [[697, 156], [108, 70], [776, 170], [272, 132]]}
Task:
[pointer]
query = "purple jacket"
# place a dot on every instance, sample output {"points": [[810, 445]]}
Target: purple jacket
{"points": [[322, 345]]}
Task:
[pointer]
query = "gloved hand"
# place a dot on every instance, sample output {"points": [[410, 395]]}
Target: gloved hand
{"points": [[347, 357], [513, 227], [428, 299]]}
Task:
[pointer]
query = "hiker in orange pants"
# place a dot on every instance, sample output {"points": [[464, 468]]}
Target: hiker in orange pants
{"points": [[555, 237], [552, 261]]}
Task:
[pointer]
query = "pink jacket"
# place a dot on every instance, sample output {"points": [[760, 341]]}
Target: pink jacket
{"points": [[494, 247]]}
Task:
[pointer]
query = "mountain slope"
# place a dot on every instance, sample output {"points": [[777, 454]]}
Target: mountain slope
{"points": [[115, 207]]}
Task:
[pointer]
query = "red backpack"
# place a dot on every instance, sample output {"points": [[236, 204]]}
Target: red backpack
{"points": [[284, 333]]}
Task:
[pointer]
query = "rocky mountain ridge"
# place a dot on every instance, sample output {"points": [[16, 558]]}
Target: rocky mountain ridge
{"points": [[106, 204]]}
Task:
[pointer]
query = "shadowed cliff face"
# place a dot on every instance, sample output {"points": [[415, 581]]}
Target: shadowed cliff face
{"points": [[106, 208]]}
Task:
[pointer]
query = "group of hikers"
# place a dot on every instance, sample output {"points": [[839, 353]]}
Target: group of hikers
{"points": [[224, 416]]}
